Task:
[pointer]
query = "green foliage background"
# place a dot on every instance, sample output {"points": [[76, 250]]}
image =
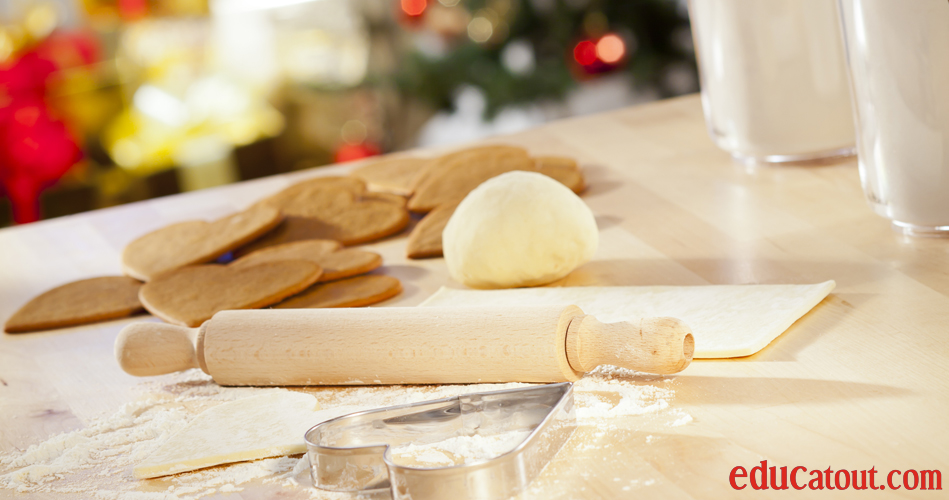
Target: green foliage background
{"points": [[553, 34]]}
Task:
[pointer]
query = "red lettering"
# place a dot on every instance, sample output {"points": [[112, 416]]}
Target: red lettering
{"points": [[915, 479], [735, 475], [935, 479], [784, 478], [863, 476], [889, 479], [763, 469], [827, 472], [819, 479], [794, 478], [762, 477], [837, 479]]}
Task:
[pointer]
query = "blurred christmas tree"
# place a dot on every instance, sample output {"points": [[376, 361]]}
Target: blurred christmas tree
{"points": [[520, 52]]}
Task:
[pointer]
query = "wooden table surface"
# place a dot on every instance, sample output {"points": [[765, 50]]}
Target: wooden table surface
{"points": [[859, 382]]}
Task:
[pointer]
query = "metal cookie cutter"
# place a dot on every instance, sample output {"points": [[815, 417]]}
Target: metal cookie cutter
{"points": [[354, 452]]}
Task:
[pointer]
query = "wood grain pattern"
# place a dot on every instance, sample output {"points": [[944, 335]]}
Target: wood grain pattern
{"points": [[388, 346], [857, 382], [404, 345]]}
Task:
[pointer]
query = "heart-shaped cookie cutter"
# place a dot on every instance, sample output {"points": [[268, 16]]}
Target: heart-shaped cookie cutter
{"points": [[354, 452]]}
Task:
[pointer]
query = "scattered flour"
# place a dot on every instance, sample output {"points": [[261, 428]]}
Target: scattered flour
{"points": [[685, 418], [96, 462], [459, 450]]}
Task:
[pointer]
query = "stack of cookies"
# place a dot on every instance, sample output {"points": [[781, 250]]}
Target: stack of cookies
{"points": [[288, 250], [436, 186], [285, 251]]}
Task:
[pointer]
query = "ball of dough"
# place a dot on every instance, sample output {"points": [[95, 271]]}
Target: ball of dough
{"points": [[518, 229]]}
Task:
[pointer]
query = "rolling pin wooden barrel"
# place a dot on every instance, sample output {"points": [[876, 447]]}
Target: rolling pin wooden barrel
{"points": [[404, 345]]}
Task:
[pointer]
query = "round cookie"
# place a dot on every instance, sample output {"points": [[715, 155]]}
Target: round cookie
{"points": [[350, 292], [311, 250], [392, 175], [563, 170], [426, 238], [362, 226], [388, 197], [314, 196], [336, 263], [348, 262], [451, 177], [334, 208], [292, 229]]}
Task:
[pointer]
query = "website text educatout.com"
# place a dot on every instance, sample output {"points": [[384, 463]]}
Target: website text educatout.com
{"points": [[763, 477]]}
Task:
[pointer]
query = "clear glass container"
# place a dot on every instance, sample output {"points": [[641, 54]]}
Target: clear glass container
{"points": [[898, 54], [774, 78]]}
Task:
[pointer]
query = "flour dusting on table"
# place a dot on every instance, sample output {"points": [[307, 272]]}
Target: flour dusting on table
{"points": [[96, 462], [458, 450]]}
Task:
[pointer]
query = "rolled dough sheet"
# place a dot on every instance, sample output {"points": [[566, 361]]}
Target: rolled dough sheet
{"points": [[727, 321], [269, 425]]}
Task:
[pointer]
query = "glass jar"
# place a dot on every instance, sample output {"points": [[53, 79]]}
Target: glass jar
{"points": [[898, 54], [774, 80]]}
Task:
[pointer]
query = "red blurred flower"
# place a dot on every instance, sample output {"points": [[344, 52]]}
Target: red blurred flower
{"points": [[36, 149], [25, 77]]}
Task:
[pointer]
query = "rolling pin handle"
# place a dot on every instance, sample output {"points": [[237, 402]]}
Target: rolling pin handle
{"points": [[654, 345], [146, 349]]}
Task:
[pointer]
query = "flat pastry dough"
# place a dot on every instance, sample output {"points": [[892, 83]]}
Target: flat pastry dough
{"points": [[268, 425], [727, 320]]}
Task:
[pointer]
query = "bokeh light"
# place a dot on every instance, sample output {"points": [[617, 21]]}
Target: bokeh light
{"points": [[610, 49], [480, 29], [414, 7], [354, 132], [585, 53]]}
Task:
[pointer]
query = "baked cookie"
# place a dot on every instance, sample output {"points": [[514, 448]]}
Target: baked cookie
{"points": [[451, 177], [292, 229], [350, 292], [336, 263], [310, 249], [190, 295], [314, 196], [338, 208], [391, 175], [426, 238], [562, 169], [348, 262], [195, 242], [387, 197], [79, 302]]}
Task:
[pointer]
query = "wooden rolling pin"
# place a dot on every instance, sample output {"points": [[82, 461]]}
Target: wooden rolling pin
{"points": [[403, 345]]}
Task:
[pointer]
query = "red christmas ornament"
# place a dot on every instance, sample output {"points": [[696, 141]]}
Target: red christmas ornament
{"points": [[410, 13], [585, 53], [599, 56], [352, 152], [414, 8]]}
